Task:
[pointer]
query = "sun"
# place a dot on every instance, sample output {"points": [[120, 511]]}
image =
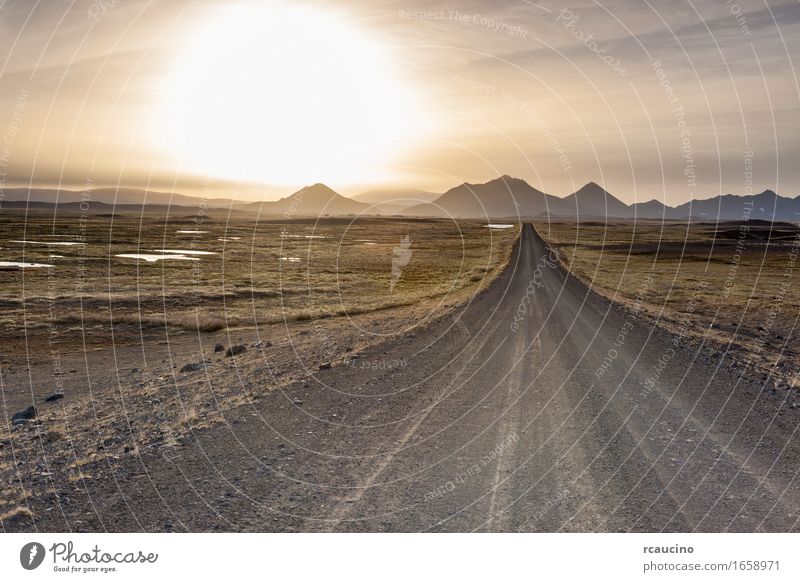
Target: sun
{"points": [[267, 92]]}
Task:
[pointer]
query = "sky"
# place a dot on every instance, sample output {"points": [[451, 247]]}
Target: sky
{"points": [[666, 100]]}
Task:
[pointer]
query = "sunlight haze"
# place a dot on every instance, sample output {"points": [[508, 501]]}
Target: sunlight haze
{"points": [[258, 99]]}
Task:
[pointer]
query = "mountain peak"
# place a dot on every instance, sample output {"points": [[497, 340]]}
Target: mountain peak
{"points": [[318, 187], [655, 202], [316, 191], [591, 188], [504, 179], [594, 200], [315, 200]]}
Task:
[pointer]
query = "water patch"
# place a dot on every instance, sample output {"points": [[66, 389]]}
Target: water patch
{"points": [[13, 264], [184, 252], [192, 231], [38, 242], [153, 258], [498, 226], [229, 238], [285, 234], [290, 259]]}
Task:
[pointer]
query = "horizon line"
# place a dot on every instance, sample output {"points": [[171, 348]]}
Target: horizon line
{"points": [[73, 189]]}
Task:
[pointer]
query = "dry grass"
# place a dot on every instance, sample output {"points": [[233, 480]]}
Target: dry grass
{"points": [[16, 513], [342, 267], [729, 281]]}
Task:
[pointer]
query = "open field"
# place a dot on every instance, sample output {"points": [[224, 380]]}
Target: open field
{"points": [[229, 274], [734, 283], [114, 333]]}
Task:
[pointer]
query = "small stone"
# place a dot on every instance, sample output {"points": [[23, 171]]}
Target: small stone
{"points": [[193, 367], [325, 366], [219, 348], [54, 397], [21, 516], [235, 350], [23, 416], [297, 402]]}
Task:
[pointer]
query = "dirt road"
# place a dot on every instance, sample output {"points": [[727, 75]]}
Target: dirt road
{"points": [[538, 406]]}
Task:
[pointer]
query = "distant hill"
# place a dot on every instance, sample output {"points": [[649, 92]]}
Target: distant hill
{"points": [[502, 197], [652, 209], [765, 206], [104, 209], [508, 197], [113, 196], [511, 197], [593, 200], [394, 201], [316, 200], [396, 197]]}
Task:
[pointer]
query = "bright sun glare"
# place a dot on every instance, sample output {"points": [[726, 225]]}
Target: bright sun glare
{"points": [[284, 95]]}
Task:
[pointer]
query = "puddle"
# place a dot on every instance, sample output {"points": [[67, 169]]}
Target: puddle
{"points": [[229, 238], [56, 257], [38, 242], [153, 258], [499, 225], [184, 252], [23, 265], [192, 231], [287, 235], [290, 259]]}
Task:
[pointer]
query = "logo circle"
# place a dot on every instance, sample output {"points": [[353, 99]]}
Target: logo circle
{"points": [[31, 555]]}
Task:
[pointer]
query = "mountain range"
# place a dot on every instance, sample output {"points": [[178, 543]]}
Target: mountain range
{"points": [[503, 197], [507, 197], [125, 196]]}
